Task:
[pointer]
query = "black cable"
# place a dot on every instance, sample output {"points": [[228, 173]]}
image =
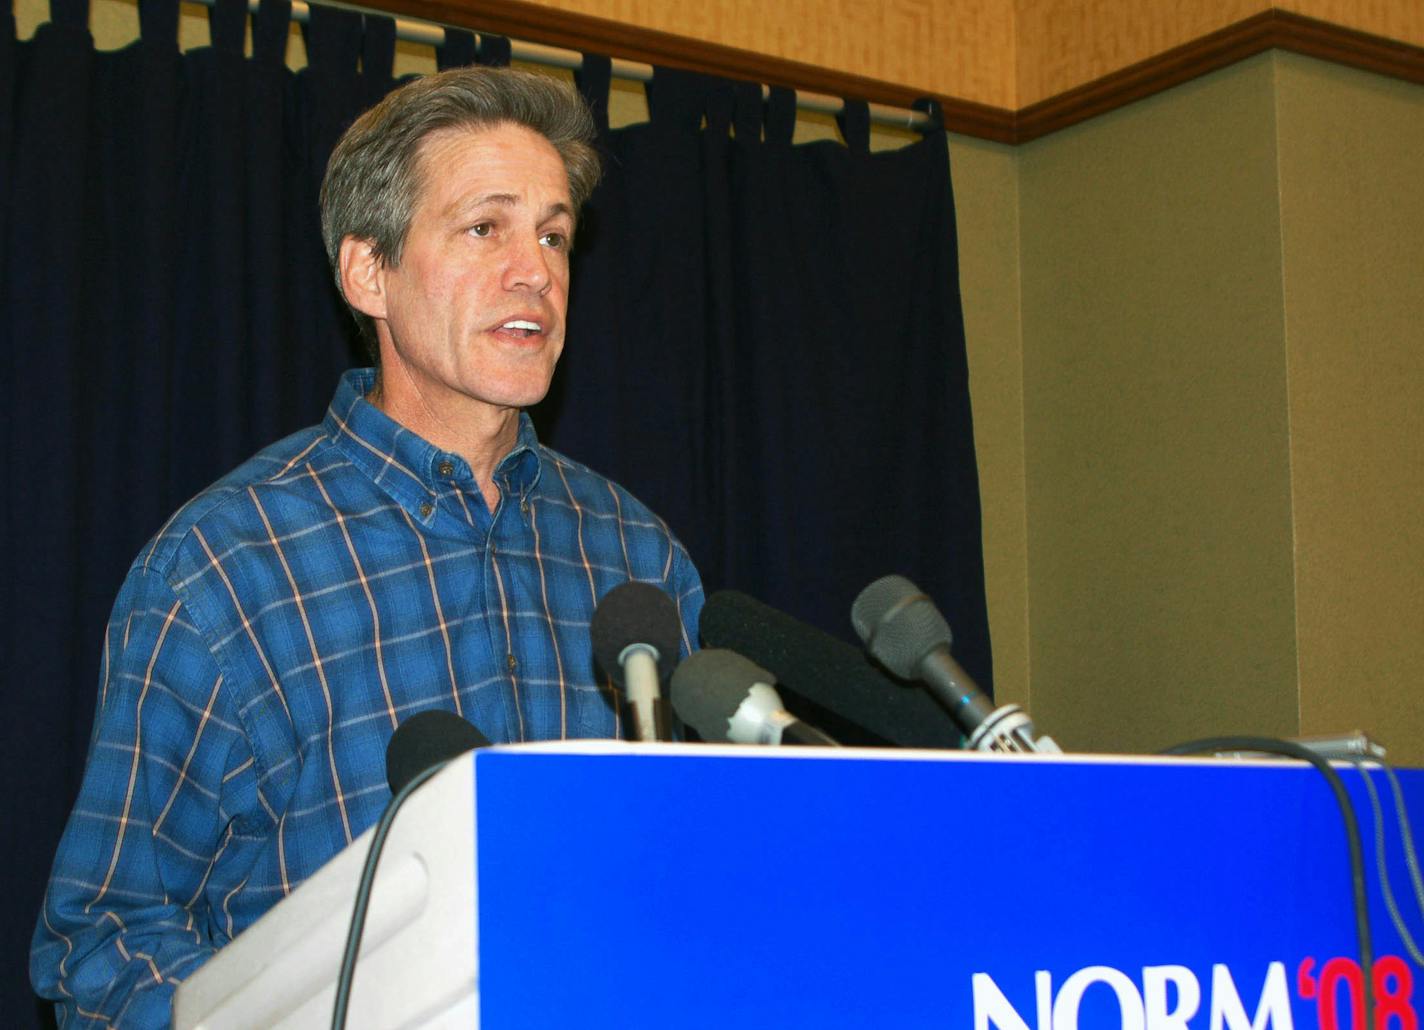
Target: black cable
{"points": [[1391, 906], [1291, 749], [363, 895], [1411, 858]]}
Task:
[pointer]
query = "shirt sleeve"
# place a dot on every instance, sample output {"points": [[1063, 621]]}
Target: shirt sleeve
{"points": [[125, 917], [685, 585]]}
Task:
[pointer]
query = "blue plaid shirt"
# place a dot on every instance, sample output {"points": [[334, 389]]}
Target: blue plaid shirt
{"points": [[266, 644]]}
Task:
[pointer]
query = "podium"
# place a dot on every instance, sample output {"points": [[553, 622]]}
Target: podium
{"points": [[606, 884]]}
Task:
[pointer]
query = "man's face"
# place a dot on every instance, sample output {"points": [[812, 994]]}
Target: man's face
{"points": [[474, 312]]}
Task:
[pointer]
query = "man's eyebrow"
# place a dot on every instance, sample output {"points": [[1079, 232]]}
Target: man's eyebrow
{"points": [[555, 210], [506, 200], [462, 204]]}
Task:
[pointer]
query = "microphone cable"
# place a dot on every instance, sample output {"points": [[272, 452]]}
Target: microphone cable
{"points": [[1411, 859], [363, 893], [1291, 749]]}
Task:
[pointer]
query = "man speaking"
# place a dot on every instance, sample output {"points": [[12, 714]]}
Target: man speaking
{"points": [[418, 549]]}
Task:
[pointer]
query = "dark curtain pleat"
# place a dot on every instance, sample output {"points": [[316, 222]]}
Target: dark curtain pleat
{"points": [[216, 403], [329, 94], [457, 51], [44, 582], [270, 174], [593, 80], [378, 59], [635, 361], [494, 51], [9, 76], [765, 341]]}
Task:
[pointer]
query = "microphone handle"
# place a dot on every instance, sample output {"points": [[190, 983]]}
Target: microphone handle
{"points": [[662, 729], [952, 688], [640, 677], [798, 732]]}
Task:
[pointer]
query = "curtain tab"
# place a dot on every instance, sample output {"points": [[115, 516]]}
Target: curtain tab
{"points": [[720, 105], [593, 80], [378, 56], [934, 110], [781, 115], [746, 122], [457, 51], [73, 14], [677, 99], [494, 52], [854, 121], [333, 38], [269, 31], [158, 24], [227, 24]]}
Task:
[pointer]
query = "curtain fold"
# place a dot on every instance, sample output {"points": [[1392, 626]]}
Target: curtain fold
{"points": [[765, 342]]}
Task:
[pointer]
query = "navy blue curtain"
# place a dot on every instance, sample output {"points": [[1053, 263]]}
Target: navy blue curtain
{"points": [[765, 342], [766, 345]]}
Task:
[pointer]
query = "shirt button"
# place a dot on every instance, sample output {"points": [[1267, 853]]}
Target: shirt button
{"points": [[524, 505], [447, 468], [511, 661], [425, 509]]}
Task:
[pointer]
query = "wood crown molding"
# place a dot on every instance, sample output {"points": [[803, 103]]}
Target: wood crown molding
{"points": [[1268, 30]]}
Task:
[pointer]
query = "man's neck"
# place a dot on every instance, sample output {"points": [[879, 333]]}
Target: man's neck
{"points": [[480, 435]]}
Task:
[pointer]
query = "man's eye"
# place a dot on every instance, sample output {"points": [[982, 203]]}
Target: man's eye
{"points": [[483, 229], [556, 240]]}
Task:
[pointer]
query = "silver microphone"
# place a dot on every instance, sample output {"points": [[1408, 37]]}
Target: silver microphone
{"points": [[904, 631]]}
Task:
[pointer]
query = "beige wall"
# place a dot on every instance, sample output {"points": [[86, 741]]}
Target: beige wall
{"points": [[1351, 151], [1223, 387], [1158, 497]]}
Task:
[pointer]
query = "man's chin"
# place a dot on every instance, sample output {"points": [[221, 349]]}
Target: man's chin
{"points": [[518, 395]]}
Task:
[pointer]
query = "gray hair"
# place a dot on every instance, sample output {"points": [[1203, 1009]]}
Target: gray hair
{"points": [[373, 180]]}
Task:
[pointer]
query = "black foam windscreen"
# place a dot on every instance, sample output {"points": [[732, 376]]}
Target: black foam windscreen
{"points": [[426, 739], [710, 685], [829, 673], [635, 613]]}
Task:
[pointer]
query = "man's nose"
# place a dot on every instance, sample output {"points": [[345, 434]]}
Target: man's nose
{"points": [[528, 266]]}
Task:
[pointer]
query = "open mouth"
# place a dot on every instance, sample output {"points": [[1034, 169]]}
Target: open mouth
{"points": [[521, 328]]}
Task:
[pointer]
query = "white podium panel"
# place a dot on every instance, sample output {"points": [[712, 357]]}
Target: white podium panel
{"points": [[418, 959]]}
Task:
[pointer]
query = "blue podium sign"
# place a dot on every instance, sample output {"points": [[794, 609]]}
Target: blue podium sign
{"points": [[730, 887]]}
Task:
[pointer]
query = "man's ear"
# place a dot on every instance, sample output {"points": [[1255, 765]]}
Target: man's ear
{"points": [[362, 280]]}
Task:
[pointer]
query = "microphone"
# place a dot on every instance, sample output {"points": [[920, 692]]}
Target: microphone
{"points": [[726, 697], [427, 739], [636, 632], [831, 674], [907, 634]]}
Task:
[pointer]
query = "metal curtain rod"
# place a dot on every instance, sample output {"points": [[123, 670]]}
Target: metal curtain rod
{"points": [[432, 34]]}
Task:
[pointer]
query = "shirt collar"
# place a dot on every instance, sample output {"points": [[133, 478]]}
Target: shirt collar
{"points": [[408, 467], [518, 471]]}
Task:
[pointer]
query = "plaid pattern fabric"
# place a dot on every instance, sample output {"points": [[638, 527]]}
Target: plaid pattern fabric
{"points": [[266, 644]]}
